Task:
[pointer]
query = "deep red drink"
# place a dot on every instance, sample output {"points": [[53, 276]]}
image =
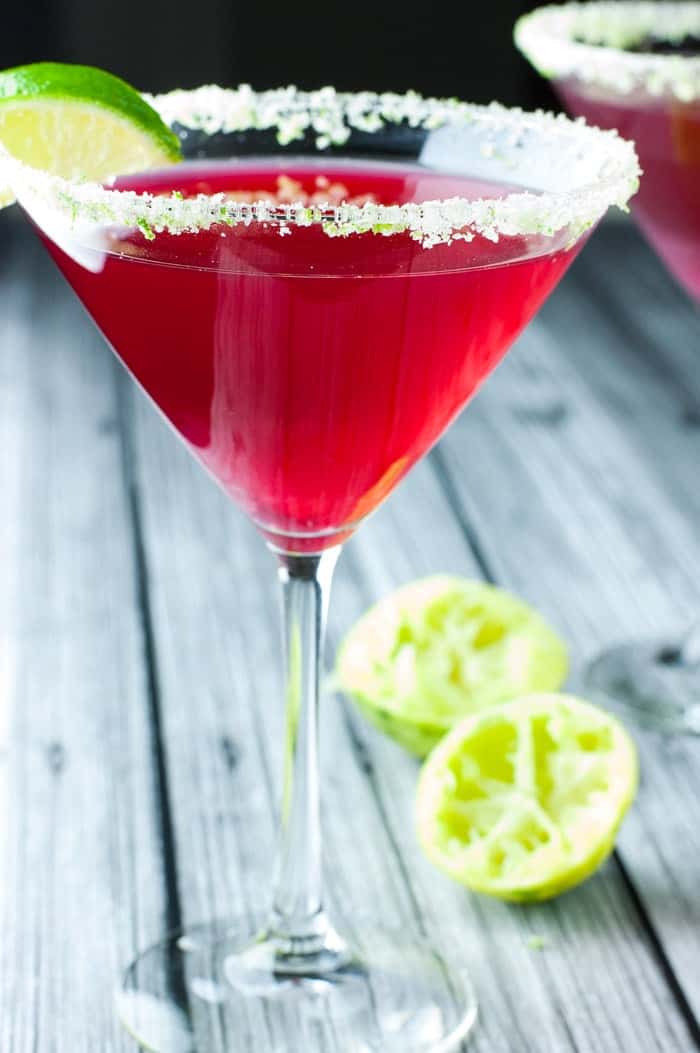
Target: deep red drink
{"points": [[667, 136], [309, 373]]}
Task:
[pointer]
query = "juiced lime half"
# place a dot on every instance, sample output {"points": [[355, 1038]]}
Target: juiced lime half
{"points": [[79, 123], [441, 648], [524, 801]]}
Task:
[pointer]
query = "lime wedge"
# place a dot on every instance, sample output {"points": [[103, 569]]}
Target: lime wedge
{"points": [[441, 648], [80, 123], [524, 801]]}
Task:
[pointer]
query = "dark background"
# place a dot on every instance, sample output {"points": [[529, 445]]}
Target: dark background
{"points": [[463, 49]]}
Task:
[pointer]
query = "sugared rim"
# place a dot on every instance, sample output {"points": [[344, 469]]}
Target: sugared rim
{"points": [[588, 41], [331, 116]]}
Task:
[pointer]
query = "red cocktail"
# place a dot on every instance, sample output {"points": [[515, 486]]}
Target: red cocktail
{"points": [[309, 373]]}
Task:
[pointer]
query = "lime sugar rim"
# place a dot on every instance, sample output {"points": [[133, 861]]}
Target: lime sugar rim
{"points": [[331, 116], [587, 42]]}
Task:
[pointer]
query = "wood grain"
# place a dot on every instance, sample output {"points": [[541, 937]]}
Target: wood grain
{"points": [[141, 721]]}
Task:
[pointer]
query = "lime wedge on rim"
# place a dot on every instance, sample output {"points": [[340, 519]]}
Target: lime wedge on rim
{"points": [[441, 648], [524, 801], [80, 123]]}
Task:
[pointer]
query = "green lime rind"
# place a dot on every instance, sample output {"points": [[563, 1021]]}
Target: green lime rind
{"points": [[525, 801], [62, 82], [417, 738], [78, 123], [441, 648]]}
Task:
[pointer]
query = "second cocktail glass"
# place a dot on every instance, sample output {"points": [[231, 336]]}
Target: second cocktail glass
{"points": [[309, 314], [636, 67]]}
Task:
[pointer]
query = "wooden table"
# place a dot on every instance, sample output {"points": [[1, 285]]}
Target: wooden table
{"points": [[140, 711]]}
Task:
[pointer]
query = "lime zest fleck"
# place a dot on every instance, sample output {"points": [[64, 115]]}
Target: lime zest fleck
{"points": [[146, 228]]}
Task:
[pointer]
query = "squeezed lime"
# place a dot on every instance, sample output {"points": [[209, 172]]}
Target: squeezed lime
{"points": [[525, 800], [441, 648]]}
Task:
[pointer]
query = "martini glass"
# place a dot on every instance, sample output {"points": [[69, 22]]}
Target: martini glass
{"points": [[309, 300], [636, 67]]}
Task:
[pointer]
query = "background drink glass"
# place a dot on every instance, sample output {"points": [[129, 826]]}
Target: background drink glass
{"points": [[636, 67]]}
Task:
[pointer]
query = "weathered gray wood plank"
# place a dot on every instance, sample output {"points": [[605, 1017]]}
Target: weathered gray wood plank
{"points": [[642, 364], [81, 880], [596, 986], [85, 864], [579, 475]]}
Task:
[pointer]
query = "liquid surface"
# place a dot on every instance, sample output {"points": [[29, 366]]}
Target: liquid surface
{"points": [[667, 136], [309, 373]]}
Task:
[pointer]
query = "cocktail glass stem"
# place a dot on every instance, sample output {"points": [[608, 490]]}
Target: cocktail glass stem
{"points": [[298, 925], [295, 984]]}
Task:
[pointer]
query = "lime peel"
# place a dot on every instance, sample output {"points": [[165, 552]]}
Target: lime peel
{"points": [[524, 801], [79, 123]]}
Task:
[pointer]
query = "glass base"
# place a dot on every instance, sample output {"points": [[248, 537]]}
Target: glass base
{"points": [[212, 989], [652, 682]]}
